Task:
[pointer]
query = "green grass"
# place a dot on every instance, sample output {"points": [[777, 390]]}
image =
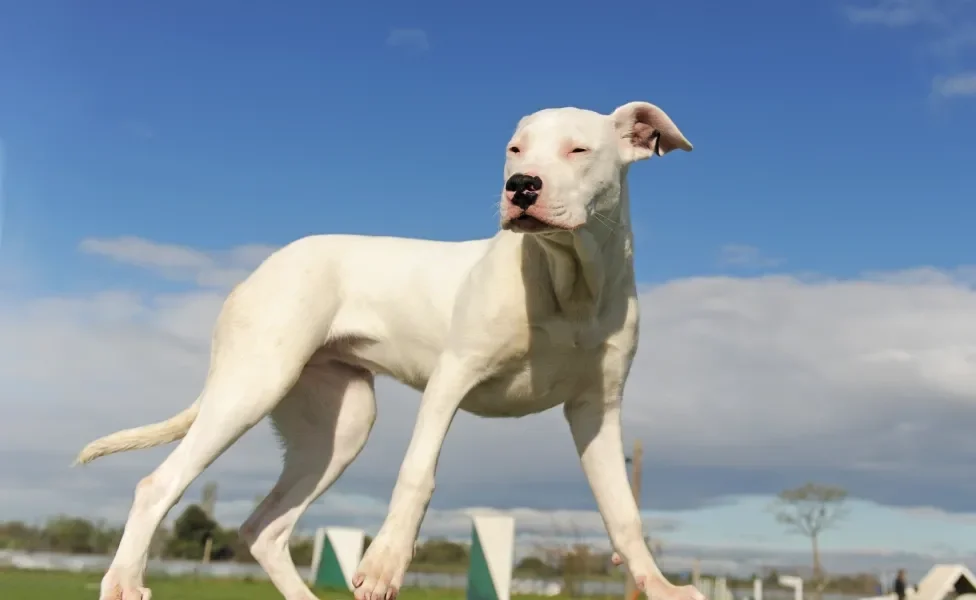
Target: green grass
{"points": [[55, 585]]}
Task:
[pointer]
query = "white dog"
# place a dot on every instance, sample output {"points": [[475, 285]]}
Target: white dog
{"points": [[544, 313]]}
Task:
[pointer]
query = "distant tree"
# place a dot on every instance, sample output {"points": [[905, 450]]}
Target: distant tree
{"points": [[809, 510], [194, 525], [65, 534], [567, 554], [106, 538], [771, 578], [17, 535], [228, 545], [190, 532], [575, 568], [438, 551], [302, 550], [71, 535], [536, 566]]}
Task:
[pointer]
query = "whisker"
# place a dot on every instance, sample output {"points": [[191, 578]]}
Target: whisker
{"points": [[604, 221]]}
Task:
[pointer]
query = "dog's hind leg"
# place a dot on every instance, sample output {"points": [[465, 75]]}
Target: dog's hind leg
{"points": [[323, 423], [258, 356], [232, 404]]}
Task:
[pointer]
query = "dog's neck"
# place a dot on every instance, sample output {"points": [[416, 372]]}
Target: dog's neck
{"points": [[584, 264]]}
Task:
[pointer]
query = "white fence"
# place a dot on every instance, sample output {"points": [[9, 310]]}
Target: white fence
{"points": [[50, 561]]}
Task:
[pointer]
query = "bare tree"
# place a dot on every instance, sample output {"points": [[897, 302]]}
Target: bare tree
{"points": [[809, 510], [567, 553]]}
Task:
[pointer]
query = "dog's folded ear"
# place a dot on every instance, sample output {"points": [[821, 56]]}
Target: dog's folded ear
{"points": [[645, 130]]}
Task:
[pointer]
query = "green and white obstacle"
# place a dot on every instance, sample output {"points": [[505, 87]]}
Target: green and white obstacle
{"points": [[338, 550], [492, 555], [335, 556]]}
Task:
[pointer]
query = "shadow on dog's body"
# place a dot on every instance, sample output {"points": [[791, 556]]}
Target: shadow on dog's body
{"points": [[544, 313]]}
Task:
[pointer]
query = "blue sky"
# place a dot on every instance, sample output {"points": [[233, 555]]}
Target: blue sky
{"points": [[206, 125], [831, 139]]}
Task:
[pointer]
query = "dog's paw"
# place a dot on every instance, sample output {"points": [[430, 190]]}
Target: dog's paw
{"points": [[663, 590], [115, 587], [380, 572]]}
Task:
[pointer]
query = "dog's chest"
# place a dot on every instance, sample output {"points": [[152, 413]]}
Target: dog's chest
{"points": [[558, 362]]}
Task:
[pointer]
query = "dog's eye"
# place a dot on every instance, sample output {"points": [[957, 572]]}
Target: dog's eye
{"points": [[514, 150], [579, 150]]}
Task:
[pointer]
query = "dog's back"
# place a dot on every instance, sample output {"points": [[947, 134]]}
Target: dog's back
{"points": [[376, 290]]}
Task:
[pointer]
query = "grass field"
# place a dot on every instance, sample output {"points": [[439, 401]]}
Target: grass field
{"points": [[53, 585]]}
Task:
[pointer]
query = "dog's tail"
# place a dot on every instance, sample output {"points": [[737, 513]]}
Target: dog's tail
{"points": [[138, 438]]}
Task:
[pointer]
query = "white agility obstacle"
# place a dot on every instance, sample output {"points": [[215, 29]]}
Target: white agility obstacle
{"points": [[795, 583], [492, 555], [335, 556]]}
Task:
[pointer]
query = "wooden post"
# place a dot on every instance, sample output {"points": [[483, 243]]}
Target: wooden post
{"points": [[630, 586], [207, 549]]}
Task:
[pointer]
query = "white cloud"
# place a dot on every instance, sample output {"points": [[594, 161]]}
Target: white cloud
{"points": [[749, 257], [741, 385], [821, 374], [956, 86], [211, 269], [897, 13], [409, 38], [950, 26], [956, 41], [938, 514]]}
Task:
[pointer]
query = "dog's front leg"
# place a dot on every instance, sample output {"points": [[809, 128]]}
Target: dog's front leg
{"points": [[595, 424], [385, 562]]}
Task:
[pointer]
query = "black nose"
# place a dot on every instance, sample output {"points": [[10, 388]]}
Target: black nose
{"points": [[521, 183], [525, 189]]}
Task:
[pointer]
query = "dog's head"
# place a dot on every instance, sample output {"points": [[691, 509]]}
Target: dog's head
{"points": [[565, 164]]}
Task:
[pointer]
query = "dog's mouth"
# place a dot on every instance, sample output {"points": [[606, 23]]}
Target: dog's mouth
{"points": [[526, 223]]}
